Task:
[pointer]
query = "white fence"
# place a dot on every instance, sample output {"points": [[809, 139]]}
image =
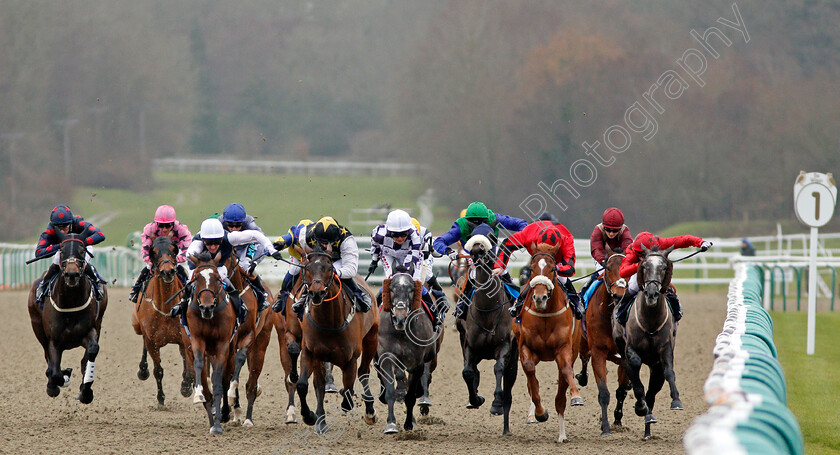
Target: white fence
{"points": [[285, 167]]}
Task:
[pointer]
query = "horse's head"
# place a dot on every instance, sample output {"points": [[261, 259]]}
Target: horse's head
{"points": [[480, 248], [208, 283], [318, 275], [654, 273], [543, 274], [401, 298], [616, 286], [163, 256], [72, 258]]}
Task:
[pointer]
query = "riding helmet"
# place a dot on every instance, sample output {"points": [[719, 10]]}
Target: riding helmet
{"points": [[325, 230], [165, 214], [647, 239], [211, 228], [477, 210], [613, 218], [398, 221], [234, 213], [61, 215]]}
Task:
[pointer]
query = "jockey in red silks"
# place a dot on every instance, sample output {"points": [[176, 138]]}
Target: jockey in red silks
{"points": [[610, 234], [634, 255], [63, 222], [165, 224], [552, 234]]}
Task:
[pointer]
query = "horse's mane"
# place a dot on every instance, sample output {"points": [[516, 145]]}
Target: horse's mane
{"points": [[666, 280], [386, 295], [546, 248], [161, 243]]}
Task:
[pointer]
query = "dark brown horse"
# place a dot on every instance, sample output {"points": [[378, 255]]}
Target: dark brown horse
{"points": [[249, 344], [71, 318], [548, 332], [599, 344], [151, 321], [486, 333], [649, 335], [333, 332], [211, 321], [279, 322]]}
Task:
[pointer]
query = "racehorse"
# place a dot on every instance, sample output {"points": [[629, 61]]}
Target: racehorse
{"points": [[650, 335], [548, 332], [407, 341], [72, 318], [599, 344], [150, 318], [249, 343], [211, 322], [278, 320], [333, 332], [485, 333]]}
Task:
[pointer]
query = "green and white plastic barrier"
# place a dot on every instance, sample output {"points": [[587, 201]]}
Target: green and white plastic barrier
{"points": [[746, 390]]}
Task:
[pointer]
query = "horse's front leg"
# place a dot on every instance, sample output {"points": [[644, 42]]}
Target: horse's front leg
{"points": [[599, 369], [621, 394], [320, 383], [425, 401], [668, 369], [390, 398], [88, 366], [497, 408], [303, 387], [188, 376], [218, 392], [154, 352], [143, 369], [564, 382], [657, 379], [529, 365], [414, 378], [55, 378], [633, 364], [233, 392], [470, 375]]}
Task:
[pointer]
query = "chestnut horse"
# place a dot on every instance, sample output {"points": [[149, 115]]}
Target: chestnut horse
{"points": [[70, 318], [548, 332], [599, 344], [333, 332], [211, 321], [151, 316], [650, 333], [249, 344]]}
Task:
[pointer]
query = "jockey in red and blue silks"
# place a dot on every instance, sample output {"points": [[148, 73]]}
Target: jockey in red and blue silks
{"points": [[290, 241], [63, 222], [552, 234], [477, 213], [630, 267], [165, 224]]}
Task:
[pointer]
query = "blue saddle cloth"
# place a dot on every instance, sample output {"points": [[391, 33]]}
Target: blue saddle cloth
{"points": [[591, 290]]}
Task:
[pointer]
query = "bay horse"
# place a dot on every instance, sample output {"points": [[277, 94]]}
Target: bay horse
{"points": [[407, 341], [249, 343], [599, 345], [211, 322], [151, 316], [649, 335], [548, 332], [71, 317], [333, 332], [278, 320], [486, 333]]}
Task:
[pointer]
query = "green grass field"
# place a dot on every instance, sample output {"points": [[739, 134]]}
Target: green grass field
{"points": [[813, 381], [277, 201]]}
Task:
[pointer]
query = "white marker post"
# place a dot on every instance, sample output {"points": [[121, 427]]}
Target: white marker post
{"points": [[814, 198]]}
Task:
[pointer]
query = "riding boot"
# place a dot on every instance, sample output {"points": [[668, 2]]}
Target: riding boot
{"points": [[624, 306], [279, 305], [433, 283], [182, 274], [464, 299], [520, 301], [300, 304], [574, 299], [362, 298], [676, 308], [178, 308], [589, 282], [135, 290], [441, 305], [236, 300], [430, 304], [41, 291], [262, 295], [96, 281]]}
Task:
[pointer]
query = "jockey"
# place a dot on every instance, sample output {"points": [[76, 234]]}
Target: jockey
{"points": [[165, 224], [428, 276], [213, 238], [525, 271], [398, 243], [611, 233], [290, 240], [477, 213], [630, 265], [234, 219], [64, 222], [552, 234], [329, 236]]}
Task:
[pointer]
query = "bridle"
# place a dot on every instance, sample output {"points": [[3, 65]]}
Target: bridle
{"points": [[611, 284], [79, 262], [306, 284], [553, 268], [196, 296]]}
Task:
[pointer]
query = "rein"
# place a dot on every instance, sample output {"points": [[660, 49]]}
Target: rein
{"points": [[327, 286]]}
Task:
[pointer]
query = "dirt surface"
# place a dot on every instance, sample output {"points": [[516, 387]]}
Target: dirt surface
{"points": [[124, 416]]}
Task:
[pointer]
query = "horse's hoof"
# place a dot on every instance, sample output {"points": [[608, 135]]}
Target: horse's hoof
{"points": [[290, 415], [143, 374], [309, 418], [424, 409], [582, 379], [53, 391], [216, 429], [676, 405], [391, 428], [330, 388], [86, 396], [561, 440], [641, 409], [605, 433], [542, 418], [650, 419], [248, 423], [408, 426], [321, 427], [237, 414], [198, 398], [479, 400], [186, 388], [370, 419], [424, 400], [646, 437], [577, 401], [496, 410]]}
